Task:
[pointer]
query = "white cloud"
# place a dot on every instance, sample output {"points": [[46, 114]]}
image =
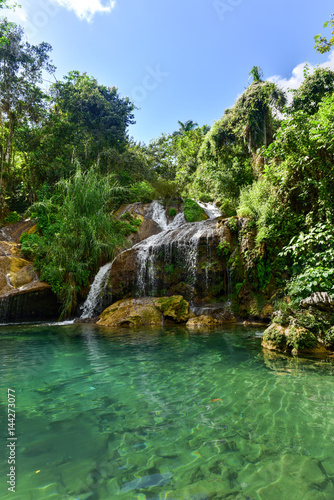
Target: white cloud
{"points": [[86, 9], [298, 75], [18, 15]]}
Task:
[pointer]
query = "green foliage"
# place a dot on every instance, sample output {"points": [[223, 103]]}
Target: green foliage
{"points": [[172, 212], [233, 224], [312, 258], [323, 45], [30, 245], [166, 190], [223, 249], [169, 269], [300, 339], [77, 234], [13, 217], [142, 191], [276, 336], [192, 211], [311, 92]]}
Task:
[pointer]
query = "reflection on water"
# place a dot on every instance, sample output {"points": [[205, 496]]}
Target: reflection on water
{"points": [[164, 414]]}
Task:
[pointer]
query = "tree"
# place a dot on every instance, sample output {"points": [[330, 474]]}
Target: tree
{"points": [[313, 89], [100, 115], [185, 127], [322, 45], [21, 98], [257, 73]]}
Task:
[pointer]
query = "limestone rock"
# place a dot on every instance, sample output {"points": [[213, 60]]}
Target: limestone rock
{"points": [[22, 277], [175, 308], [319, 300], [146, 311], [202, 321], [292, 338], [131, 312]]}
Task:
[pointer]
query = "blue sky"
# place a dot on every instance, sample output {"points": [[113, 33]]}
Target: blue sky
{"points": [[178, 59]]}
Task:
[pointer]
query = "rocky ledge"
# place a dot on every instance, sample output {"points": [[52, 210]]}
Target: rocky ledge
{"points": [[157, 311], [306, 329], [23, 297]]}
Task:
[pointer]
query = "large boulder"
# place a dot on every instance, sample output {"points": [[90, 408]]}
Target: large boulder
{"points": [[174, 308], [292, 338], [145, 311]]}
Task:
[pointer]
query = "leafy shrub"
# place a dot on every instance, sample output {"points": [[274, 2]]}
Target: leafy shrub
{"points": [[172, 212], [142, 191], [312, 256], [30, 244], [77, 234], [192, 211], [13, 217]]}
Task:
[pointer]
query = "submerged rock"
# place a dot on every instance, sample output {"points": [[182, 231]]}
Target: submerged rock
{"points": [[203, 321]]}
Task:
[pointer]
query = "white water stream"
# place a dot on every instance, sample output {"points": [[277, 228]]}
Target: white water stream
{"points": [[177, 235]]}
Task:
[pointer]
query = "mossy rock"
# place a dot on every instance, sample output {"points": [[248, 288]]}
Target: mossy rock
{"points": [[146, 311], [131, 312], [175, 308], [203, 321], [274, 337], [292, 338]]}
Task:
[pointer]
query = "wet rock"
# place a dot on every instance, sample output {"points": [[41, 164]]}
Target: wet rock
{"points": [[131, 312], [146, 311], [22, 277], [292, 338], [203, 321], [174, 308]]}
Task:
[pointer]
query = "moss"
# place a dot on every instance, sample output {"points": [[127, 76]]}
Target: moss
{"points": [[193, 212], [275, 336], [172, 212], [174, 307], [329, 337], [300, 338], [233, 224]]}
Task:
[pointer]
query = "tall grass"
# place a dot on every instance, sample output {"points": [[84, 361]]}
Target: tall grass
{"points": [[77, 234]]}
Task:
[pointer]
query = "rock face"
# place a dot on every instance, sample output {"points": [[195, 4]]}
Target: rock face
{"points": [[145, 311], [183, 261], [309, 329], [23, 297], [320, 300], [202, 261]]}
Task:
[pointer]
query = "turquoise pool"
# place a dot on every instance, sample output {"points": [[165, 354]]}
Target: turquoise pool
{"points": [[164, 414]]}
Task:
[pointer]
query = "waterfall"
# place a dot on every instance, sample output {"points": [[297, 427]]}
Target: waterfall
{"points": [[157, 213], [211, 210], [93, 304], [172, 247]]}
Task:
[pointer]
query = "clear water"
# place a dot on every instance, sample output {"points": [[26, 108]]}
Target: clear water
{"points": [[164, 414]]}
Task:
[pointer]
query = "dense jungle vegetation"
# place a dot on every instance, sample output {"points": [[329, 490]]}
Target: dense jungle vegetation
{"points": [[68, 161]]}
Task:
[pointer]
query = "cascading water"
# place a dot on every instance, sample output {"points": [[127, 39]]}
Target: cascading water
{"points": [[160, 260], [174, 247], [211, 210], [93, 304]]}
